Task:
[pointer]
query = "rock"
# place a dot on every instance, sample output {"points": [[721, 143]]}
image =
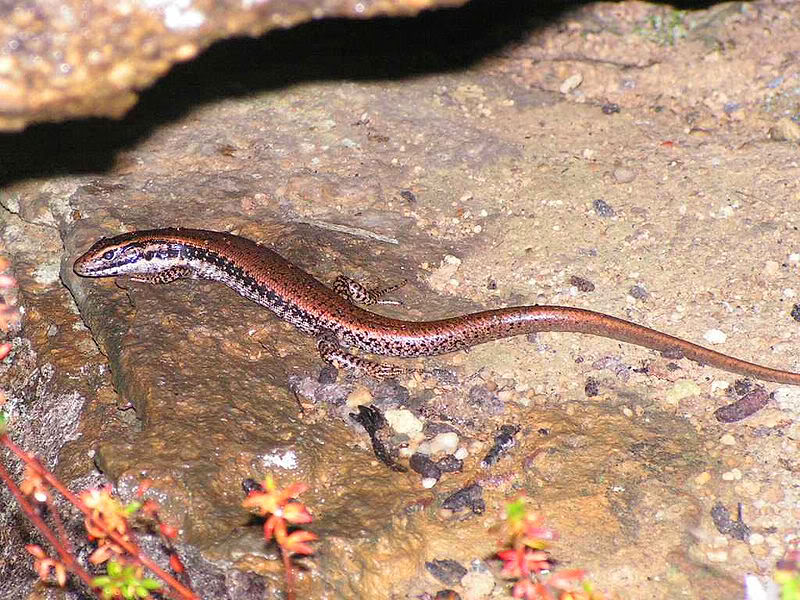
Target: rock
{"points": [[403, 421], [72, 59], [444, 443]]}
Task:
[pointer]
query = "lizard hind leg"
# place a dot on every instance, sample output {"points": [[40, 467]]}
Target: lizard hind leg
{"points": [[334, 354], [360, 294]]}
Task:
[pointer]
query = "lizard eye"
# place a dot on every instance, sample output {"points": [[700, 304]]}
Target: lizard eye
{"points": [[108, 255]]}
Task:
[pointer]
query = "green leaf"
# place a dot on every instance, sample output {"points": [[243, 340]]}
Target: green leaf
{"points": [[515, 511], [151, 584], [114, 569], [132, 507]]}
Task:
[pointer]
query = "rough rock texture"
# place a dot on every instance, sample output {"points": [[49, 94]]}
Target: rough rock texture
{"points": [[621, 157], [64, 60]]}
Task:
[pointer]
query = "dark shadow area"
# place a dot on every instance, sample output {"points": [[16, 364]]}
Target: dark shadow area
{"points": [[436, 41], [335, 49]]}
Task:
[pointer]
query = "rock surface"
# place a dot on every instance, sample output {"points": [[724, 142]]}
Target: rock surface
{"points": [[378, 149], [70, 59]]}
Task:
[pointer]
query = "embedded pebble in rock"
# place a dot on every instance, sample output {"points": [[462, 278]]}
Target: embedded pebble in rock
{"points": [[403, 421], [505, 395], [424, 466], [461, 453], [360, 396], [445, 443], [749, 488], [788, 399], [571, 83], [429, 482], [478, 583], [639, 292], [424, 448], [715, 336], [732, 475], [719, 385], [703, 478], [447, 571], [602, 208], [727, 440], [623, 175], [717, 556], [771, 267], [450, 464], [443, 276], [683, 388], [785, 130], [749, 404], [390, 394]]}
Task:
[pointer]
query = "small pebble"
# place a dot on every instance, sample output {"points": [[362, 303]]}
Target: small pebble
{"points": [[424, 448], [683, 388], [785, 130], [788, 399], [755, 539], [571, 83], [717, 556], [444, 443], [477, 585], [732, 475], [583, 284], [602, 208], [627, 412], [450, 464], [359, 396], [727, 440], [447, 571], [715, 336], [639, 292], [503, 442], [748, 487], [429, 482], [727, 525], [795, 312], [610, 108], [703, 478], [468, 497], [403, 421], [423, 465], [749, 404], [408, 196], [623, 175], [461, 453], [771, 267], [719, 385]]}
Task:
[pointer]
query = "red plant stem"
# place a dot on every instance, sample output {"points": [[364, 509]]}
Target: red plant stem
{"points": [[129, 547], [59, 524], [66, 557], [171, 549], [287, 566]]}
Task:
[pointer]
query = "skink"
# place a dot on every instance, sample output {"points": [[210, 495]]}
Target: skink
{"points": [[332, 317]]}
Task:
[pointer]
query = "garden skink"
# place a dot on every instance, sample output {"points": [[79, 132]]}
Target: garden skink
{"points": [[330, 315]]}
